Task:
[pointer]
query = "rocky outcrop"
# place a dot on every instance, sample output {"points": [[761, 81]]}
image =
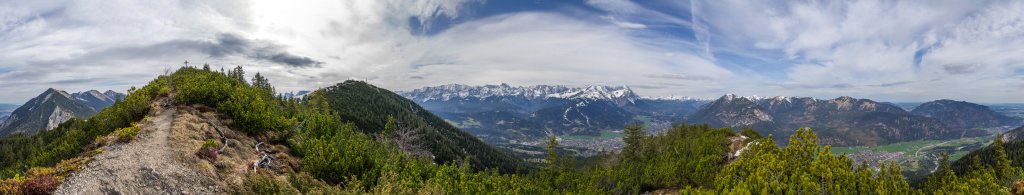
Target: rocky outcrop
{"points": [[58, 116]]}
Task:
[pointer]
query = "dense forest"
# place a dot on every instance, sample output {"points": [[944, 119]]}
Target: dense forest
{"points": [[371, 109], [351, 140]]}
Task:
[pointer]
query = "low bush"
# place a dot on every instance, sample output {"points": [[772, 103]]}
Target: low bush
{"points": [[45, 184], [259, 184], [128, 133], [11, 185], [209, 150], [66, 167], [210, 143], [307, 184]]}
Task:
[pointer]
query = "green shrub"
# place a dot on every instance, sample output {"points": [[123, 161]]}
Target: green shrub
{"points": [[210, 143], [128, 133], [253, 110], [259, 184], [750, 133], [307, 184]]}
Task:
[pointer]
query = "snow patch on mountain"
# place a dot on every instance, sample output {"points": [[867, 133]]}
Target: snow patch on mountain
{"points": [[618, 94], [298, 94], [676, 98]]}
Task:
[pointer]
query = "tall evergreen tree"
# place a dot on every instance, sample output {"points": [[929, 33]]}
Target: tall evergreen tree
{"points": [[238, 74], [552, 150], [1002, 166], [389, 127], [262, 83], [634, 142], [943, 175]]}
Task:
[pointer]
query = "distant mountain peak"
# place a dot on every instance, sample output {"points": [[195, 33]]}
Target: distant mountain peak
{"points": [[677, 98], [753, 98], [52, 107], [619, 94], [297, 94], [961, 114]]}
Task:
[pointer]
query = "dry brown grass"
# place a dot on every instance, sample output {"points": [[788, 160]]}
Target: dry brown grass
{"points": [[194, 125]]}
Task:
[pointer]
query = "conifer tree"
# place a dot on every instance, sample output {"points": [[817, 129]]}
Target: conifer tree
{"points": [[238, 74], [634, 142], [1004, 171], [389, 128], [552, 150], [262, 83]]}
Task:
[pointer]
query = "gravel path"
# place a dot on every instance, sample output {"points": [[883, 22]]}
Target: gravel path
{"points": [[146, 165]]}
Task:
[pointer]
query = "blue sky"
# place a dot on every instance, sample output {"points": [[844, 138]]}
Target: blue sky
{"points": [[883, 50]]}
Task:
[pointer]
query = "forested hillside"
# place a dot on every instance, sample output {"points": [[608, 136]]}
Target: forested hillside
{"points": [[371, 109], [1001, 154]]}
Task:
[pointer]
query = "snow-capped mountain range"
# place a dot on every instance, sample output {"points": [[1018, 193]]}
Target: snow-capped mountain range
{"points": [[500, 113], [298, 94], [457, 91]]}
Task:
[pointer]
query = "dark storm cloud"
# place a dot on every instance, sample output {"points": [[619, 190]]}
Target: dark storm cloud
{"points": [[225, 45], [230, 44]]}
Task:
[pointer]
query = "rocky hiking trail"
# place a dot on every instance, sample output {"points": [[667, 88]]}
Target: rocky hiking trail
{"points": [[147, 165]]}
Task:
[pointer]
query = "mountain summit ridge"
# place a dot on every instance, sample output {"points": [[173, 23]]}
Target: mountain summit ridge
{"points": [[52, 107], [618, 94], [839, 121]]}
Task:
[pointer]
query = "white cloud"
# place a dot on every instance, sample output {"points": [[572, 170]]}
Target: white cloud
{"points": [[830, 48], [860, 47], [371, 40], [537, 48]]}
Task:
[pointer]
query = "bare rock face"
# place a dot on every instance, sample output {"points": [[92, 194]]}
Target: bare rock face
{"points": [[58, 116], [1014, 135]]}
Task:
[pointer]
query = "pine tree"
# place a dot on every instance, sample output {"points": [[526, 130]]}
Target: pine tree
{"points": [[389, 128], [552, 150], [1004, 170], [943, 176], [262, 83], [238, 74], [206, 67], [633, 139]]}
